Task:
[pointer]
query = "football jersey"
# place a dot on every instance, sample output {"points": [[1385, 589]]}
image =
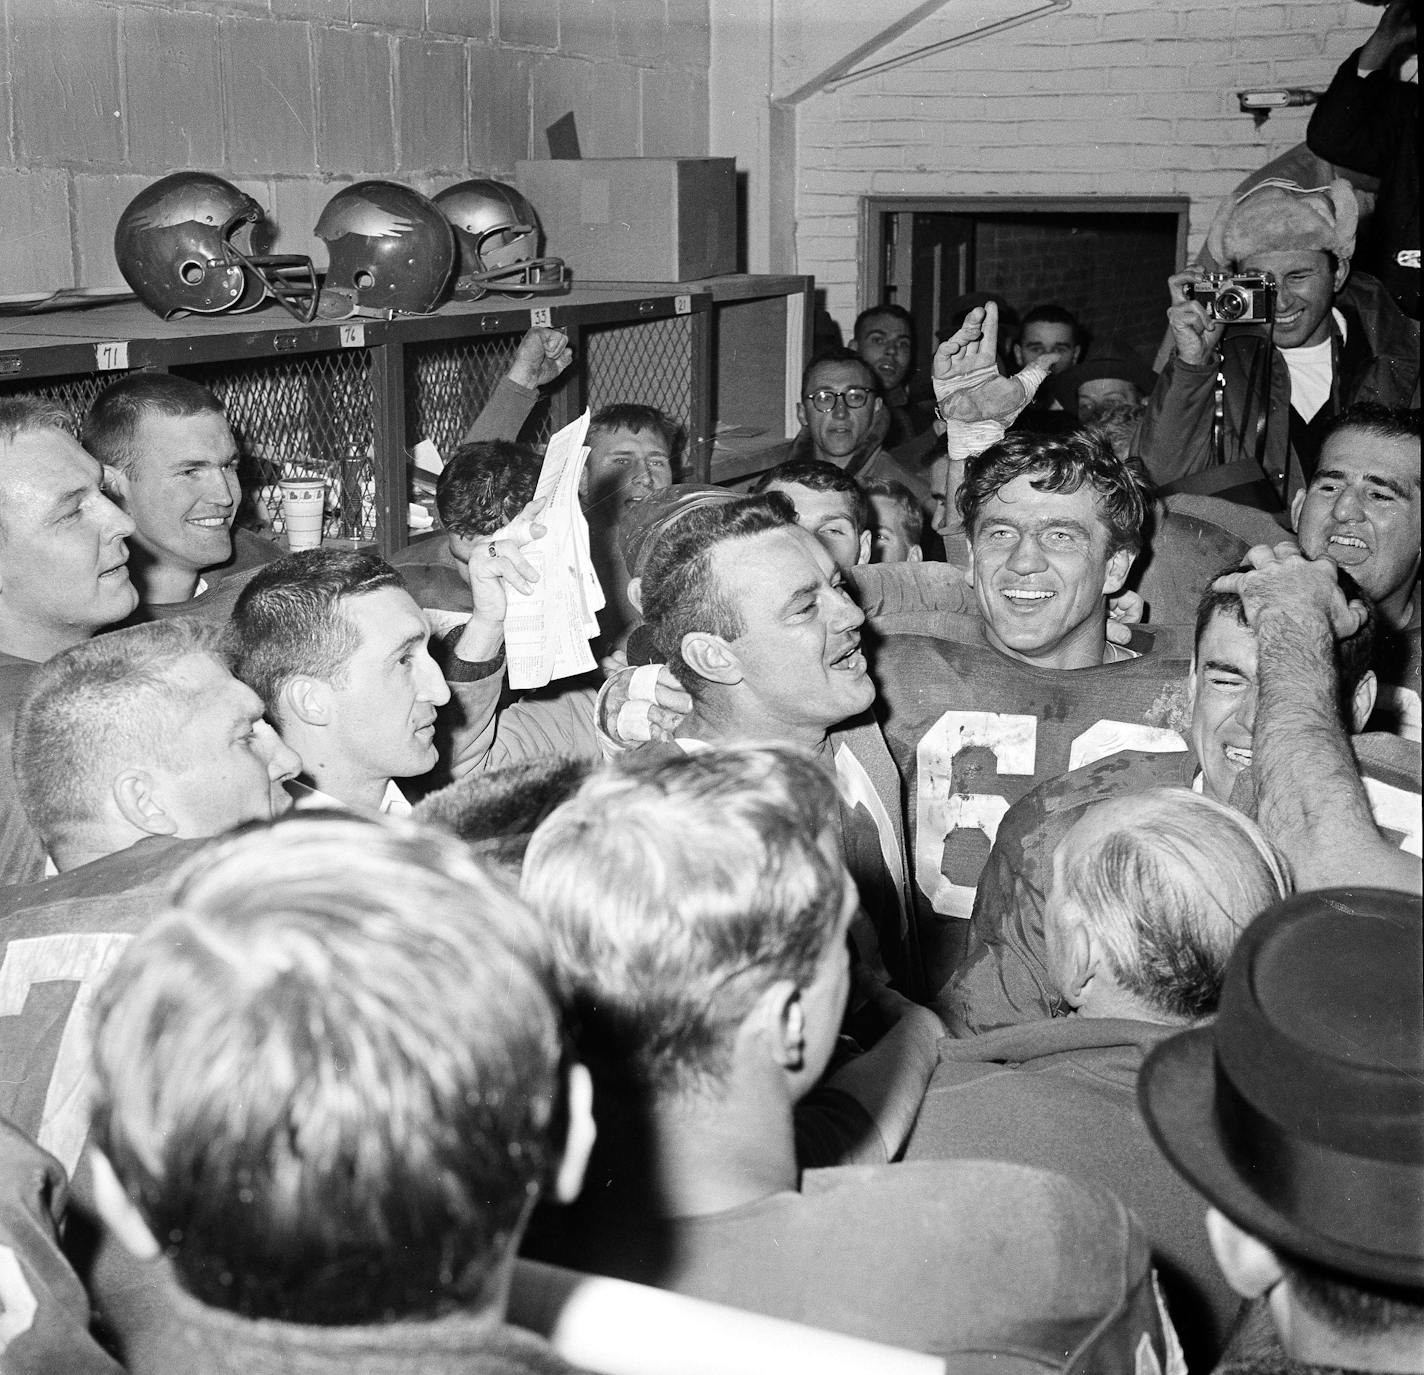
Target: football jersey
{"points": [[58, 941], [973, 730]]}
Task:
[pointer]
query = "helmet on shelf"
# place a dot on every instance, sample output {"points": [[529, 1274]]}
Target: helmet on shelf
{"points": [[184, 244], [498, 234], [392, 252]]}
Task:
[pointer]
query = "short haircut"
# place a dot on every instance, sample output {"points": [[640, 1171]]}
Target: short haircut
{"points": [[1381, 422], [22, 415], [1354, 656], [98, 707], [1168, 894], [1052, 463], [496, 811], [840, 355], [1352, 1307], [676, 890], [484, 485], [289, 622], [1053, 314], [680, 592], [907, 504], [330, 1075], [110, 430], [888, 311], [625, 415], [819, 477]]}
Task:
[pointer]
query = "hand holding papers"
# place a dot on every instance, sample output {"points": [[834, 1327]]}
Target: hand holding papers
{"points": [[549, 625]]}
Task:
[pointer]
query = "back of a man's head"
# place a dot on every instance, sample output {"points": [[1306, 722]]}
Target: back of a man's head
{"points": [[1053, 464], [676, 891], [1164, 882], [104, 705], [681, 594], [289, 621], [329, 1077], [484, 485], [112, 425]]}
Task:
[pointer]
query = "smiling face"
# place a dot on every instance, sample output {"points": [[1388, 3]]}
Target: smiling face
{"points": [[1362, 509], [884, 342], [798, 657], [1040, 569], [63, 569], [624, 466], [836, 434], [831, 518], [1222, 689], [229, 763], [1305, 291], [182, 490], [383, 702]]}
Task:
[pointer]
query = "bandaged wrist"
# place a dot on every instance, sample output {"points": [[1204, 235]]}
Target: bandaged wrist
{"points": [[966, 438], [643, 685]]}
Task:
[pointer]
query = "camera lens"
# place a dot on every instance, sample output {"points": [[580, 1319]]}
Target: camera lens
{"points": [[1231, 304]]}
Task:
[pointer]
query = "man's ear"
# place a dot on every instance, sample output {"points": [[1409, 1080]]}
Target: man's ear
{"points": [[801, 414], [916, 554], [784, 1016], [1079, 958], [876, 406], [1297, 501], [117, 1209], [1116, 572], [1192, 687], [578, 1145], [712, 657], [865, 542], [305, 699], [635, 594], [1018, 355], [460, 546], [1342, 275], [1250, 1266], [135, 793], [116, 485], [1362, 703]]}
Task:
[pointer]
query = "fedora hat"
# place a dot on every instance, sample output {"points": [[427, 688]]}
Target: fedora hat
{"points": [[1299, 1112]]}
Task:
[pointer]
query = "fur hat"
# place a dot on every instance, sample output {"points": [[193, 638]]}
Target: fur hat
{"points": [[1279, 216]]}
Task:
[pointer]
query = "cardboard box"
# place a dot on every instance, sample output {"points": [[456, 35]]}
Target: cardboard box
{"points": [[636, 219]]}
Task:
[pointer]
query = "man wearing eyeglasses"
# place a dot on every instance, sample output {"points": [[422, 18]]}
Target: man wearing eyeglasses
{"points": [[844, 422]]}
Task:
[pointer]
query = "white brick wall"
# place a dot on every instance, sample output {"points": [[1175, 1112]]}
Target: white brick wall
{"points": [[1111, 97]]}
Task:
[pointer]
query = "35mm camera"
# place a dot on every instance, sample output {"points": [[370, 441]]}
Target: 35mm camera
{"points": [[1242, 298]]}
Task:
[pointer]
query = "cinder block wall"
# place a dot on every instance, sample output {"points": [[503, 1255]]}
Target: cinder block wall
{"points": [[291, 99], [1120, 97]]}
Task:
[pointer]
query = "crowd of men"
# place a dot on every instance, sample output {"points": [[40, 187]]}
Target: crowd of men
{"points": [[991, 840]]}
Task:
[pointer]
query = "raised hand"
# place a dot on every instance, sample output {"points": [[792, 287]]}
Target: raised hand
{"points": [[542, 355]]}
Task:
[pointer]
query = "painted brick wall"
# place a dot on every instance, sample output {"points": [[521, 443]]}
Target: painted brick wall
{"points": [[1114, 97], [292, 98]]}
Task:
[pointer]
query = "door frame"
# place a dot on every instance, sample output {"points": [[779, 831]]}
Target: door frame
{"points": [[871, 245]]}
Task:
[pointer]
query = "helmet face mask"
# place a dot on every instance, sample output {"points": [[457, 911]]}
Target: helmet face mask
{"points": [[392, 252], [176, 247], [498, 237]]}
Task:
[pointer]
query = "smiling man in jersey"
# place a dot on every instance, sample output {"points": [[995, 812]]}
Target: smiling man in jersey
{"points": [[172, 465]]}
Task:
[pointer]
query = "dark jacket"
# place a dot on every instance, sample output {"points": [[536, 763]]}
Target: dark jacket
{"points": [[1267, 464]]}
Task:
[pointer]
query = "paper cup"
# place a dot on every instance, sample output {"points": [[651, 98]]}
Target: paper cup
{"points": [[303, 510]]}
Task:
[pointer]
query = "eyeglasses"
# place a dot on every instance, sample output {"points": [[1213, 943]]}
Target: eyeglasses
{"points": [[824, 398]]}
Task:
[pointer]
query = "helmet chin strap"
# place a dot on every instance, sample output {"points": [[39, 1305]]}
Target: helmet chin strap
{"points": [[523, 281]]}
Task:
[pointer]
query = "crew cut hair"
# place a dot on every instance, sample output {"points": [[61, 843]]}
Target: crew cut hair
{"points": [[1169, 892], [887, 310], [98, 707], [839, 355], [19, 415], [330, 1075], [111, 426], [484, 485], [681, 592], [676, 891], [288, 621], [1379, 421], [1121, 491], [819, 476]]}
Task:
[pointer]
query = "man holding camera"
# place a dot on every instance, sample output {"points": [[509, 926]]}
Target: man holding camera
{"points": [[1266, 354]]}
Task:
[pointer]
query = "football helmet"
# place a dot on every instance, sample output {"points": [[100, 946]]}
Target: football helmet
{"points": [[498, 235], [184, 244], [392, 252]]}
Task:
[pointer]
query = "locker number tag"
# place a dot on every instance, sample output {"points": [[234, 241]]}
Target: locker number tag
{"points": [[682, 305], [542, 318], [353, 336], [112, 355]]}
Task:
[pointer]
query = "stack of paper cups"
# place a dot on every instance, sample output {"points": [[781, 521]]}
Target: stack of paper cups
{"points": [[303, 510]]}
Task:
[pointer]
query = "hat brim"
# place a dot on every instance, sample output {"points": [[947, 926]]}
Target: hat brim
{"points": [[1176, 1092]]}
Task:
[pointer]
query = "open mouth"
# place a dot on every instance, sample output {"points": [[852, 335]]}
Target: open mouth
{"points": [[1286, 321], [1348, 544], [211, 522], [1237, 757], [849, 660], [1027, 597]]}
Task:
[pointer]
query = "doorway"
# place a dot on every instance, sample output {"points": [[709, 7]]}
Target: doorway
{"points": [[1107, 259]]}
